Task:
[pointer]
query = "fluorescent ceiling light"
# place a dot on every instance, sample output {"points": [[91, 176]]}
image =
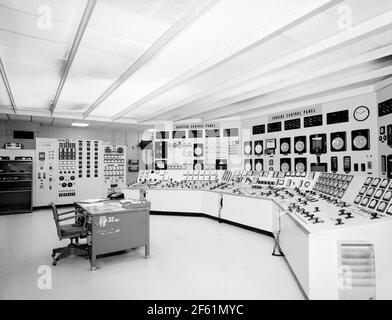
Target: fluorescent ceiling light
{"points": [[79, 124]]}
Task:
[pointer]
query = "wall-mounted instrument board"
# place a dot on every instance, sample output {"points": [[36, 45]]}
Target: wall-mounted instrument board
{"points": [[335, 137], [68, 170]]}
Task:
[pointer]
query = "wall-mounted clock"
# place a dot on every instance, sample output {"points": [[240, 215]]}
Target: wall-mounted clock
{"points": [[361, 113]]}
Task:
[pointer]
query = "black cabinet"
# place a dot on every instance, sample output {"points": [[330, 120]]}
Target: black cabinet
{"points": [[15, 186]]}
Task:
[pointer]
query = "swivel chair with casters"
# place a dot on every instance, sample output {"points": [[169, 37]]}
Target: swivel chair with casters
{"points": [[74, 232]]}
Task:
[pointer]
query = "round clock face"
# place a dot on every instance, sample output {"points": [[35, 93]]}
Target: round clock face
{"points": [[338, 143], [247, 149], [361, 113], [258, 148], [259, 166], [248, 167], [198, 151], [360, 142], [300, 146], [300, 167], [284, 147], [285, 167]]}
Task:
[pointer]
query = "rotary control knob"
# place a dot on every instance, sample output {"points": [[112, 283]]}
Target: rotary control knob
{"points": [[61, 178], [339, 222], [374, 216], [63, 184], [349, 215]]}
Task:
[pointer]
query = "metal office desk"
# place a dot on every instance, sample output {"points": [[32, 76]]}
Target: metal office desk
{"points": [[113, 227]]}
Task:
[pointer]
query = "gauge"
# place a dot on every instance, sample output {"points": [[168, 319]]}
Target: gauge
{"points": [[390, 210], [285, 167], [370, 192], [198, 151], [300, 146], [376, 182], [338, 143], [373, 204], [300, 167], [357, 199], [382, 206], [284, 147], [259, 167], [388, 195], [248, 166], [368, 181], [384, 183], [198, 166], [361, 113], [365, 201], [258, 149], [360, 142], [248, 149], [378, 194]]}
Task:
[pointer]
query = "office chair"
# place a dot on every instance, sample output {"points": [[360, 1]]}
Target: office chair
{"points": [[74, 232]]}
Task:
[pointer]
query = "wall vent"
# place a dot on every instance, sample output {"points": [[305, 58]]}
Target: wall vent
{"points": [[357, 273]]}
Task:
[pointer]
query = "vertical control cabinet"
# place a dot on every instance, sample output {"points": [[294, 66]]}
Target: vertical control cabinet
{"points": [[114, 162]]}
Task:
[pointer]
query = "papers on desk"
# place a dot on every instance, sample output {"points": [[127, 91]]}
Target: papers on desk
{"points": [[129, 201], [88, 201]]}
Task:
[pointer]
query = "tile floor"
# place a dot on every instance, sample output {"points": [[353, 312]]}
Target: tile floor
{"points": [[191, 258]]}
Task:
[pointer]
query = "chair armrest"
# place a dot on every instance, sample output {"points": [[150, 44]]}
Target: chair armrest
{"points": [[66, 212], [72, 217]]}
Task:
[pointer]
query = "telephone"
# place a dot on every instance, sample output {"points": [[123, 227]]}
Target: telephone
{"points": [[115, 195]]}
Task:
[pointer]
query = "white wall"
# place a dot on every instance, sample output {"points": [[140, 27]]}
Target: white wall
{"points": [[129, 138]]}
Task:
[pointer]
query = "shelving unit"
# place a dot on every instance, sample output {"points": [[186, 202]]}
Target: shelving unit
{"points": [[15, 186]]}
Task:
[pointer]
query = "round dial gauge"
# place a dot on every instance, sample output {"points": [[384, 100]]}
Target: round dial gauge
{"points": [[300, 146], [248, 167], [259, 166], [248, 149], [361, 113], [284, 147], [198, 151], [198, 166], [360, 142], [259, 148], [390, 210], [338, 143], [300, 167], [357, 199], [285, 167]]}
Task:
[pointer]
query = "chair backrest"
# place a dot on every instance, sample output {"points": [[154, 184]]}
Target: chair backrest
{"points": [[56, 219]]}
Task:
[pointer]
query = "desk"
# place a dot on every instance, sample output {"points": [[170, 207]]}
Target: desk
{"points": [[113, 227]]}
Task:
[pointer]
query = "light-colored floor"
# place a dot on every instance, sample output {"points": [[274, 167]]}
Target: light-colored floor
{"points": [[191, 258]]}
